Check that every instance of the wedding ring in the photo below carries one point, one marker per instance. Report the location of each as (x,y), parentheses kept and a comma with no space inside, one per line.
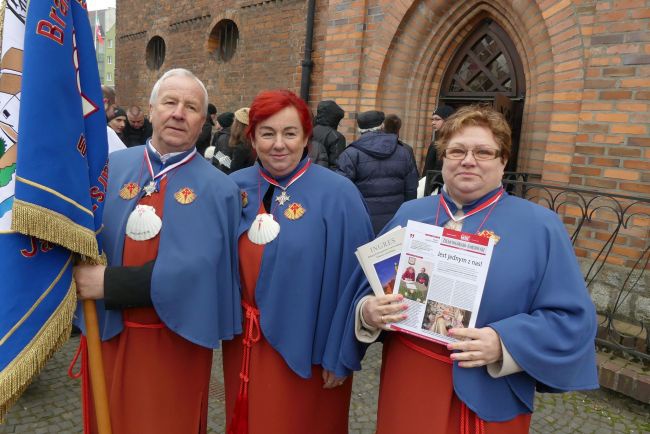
(383,319)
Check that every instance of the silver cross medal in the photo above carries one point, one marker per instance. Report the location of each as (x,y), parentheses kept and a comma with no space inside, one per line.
(150,188)
(282,198)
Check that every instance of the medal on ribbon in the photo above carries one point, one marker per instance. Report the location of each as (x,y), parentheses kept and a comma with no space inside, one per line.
(150,188)
(294,211)
(244,199)
(129,191)
(185,195)
(282,198)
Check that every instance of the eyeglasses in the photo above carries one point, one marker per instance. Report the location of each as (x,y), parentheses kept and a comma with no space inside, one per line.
(482,154)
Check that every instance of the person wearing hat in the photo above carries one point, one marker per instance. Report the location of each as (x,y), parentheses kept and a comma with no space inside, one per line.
(438,117)
(203,141)
(243,154)
(383,170)
(114,129)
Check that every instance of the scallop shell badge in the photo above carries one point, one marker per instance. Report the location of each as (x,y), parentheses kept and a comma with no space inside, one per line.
(264,229)
(143,223)
(185,195)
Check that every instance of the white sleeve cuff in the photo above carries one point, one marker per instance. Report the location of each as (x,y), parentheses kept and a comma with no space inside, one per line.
(505,366)
(365,333)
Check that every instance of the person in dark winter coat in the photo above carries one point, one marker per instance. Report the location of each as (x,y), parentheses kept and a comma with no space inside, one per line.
(326,142)
(137,129)
(206,132)
(383,170)
(438,117)
(221,137)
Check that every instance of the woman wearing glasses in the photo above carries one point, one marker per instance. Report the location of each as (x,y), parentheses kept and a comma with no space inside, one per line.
(536,323)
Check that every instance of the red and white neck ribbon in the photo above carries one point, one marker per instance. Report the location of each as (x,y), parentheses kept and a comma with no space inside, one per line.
(167,169)
(491,201)
(293,179)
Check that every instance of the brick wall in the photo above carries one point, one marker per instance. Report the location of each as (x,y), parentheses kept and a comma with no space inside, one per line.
(586,62)
(269,50)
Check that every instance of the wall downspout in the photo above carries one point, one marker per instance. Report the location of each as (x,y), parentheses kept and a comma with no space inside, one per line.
(307,63)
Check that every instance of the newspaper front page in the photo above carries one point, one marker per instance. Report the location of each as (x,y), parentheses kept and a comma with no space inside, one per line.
(441,274)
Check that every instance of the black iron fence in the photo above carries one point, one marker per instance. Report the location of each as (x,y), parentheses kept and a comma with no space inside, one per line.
(611,236)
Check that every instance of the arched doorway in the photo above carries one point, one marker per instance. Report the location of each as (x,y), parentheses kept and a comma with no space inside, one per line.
(486,68)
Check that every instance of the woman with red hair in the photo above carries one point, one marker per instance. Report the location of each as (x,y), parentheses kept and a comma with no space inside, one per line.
(300,227)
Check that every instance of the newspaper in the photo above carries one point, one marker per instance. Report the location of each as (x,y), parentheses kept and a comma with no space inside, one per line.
(379,259)
(441,274)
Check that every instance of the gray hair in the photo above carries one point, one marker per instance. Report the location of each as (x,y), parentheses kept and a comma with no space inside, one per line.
(367,130)
(178,72)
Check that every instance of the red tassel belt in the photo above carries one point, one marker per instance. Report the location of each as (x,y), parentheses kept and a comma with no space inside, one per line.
(252,335)
(465,413)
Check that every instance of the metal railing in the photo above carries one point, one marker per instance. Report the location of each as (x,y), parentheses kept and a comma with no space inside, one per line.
(611,236)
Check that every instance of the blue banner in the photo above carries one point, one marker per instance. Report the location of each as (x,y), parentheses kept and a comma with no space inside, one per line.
(53,177)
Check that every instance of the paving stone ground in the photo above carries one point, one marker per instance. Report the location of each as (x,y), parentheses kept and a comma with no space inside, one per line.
(52,405)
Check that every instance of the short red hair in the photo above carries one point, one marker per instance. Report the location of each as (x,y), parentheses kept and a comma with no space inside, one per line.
(269,102)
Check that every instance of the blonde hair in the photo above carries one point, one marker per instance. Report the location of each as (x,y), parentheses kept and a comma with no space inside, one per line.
(477,115)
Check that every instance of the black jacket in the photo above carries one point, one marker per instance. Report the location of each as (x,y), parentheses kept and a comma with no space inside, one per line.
(203,141)
(325,139)
(133,137)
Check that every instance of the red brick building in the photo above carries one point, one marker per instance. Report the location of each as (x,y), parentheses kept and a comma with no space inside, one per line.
(575,74)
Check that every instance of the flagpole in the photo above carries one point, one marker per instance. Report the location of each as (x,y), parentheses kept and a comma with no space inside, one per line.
(96,366)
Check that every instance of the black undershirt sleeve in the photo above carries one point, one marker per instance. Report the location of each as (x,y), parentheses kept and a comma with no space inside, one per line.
(126,287)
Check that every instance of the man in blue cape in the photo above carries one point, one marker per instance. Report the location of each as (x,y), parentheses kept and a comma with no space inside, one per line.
(171,290)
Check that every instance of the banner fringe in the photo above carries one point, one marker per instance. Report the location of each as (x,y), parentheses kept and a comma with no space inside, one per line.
(45,224)
(17,376)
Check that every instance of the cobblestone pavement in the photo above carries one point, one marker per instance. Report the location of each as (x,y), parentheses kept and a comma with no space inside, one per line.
(51,404)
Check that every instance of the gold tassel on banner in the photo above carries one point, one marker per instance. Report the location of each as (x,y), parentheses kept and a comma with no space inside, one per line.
(16,377)
(48,225)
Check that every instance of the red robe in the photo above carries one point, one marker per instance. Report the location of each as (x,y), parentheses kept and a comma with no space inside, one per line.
(416,393)
(279,401)
(157,382)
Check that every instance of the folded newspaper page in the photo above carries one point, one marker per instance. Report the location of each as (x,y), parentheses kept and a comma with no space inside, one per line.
(379,259)
(441,274)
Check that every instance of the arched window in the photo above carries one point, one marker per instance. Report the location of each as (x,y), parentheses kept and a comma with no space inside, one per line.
(223,40)
(155,53)
(485,65)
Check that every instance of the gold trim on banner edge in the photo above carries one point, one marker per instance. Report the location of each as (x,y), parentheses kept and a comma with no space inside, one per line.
(17,376)
(46,224)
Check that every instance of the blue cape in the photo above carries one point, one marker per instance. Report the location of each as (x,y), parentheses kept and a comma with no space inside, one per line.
(535,298)
(305,269)
(195,282)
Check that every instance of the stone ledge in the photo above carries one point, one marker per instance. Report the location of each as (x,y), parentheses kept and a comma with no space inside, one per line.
(623,376)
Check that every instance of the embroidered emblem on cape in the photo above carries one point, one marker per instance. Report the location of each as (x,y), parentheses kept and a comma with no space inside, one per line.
(129,191)
(489,234)
(282,198)
(294,211)
(185,195)
(244,199)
